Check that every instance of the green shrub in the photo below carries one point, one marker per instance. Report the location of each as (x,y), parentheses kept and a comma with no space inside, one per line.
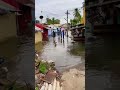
(43,68)
(36,88)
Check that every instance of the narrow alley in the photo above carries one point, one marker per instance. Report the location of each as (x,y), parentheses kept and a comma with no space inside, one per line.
(60,51)
(69,58)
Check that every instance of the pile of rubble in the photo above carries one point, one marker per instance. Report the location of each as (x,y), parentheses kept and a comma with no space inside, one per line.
(46,76)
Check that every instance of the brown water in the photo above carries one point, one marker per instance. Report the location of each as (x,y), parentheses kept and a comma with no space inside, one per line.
(103,63)
(64,53)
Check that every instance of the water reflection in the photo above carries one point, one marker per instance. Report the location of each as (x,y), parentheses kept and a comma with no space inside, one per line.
(77,48)
(58,38)
(102,63)
(57,50)
(54,42)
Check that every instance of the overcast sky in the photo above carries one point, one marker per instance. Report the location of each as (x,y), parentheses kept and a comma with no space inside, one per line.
(56,8)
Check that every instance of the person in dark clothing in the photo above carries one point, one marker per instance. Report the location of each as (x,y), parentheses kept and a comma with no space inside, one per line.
(57,31)
(60,33)
(63,34)
(54,34)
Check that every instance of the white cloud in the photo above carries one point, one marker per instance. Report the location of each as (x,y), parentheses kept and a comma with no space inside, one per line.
(55,8)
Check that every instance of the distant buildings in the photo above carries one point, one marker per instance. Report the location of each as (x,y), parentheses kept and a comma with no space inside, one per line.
(44,32)
(38,34)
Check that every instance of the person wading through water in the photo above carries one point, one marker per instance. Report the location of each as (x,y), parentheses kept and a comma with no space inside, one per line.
(62,33)
(54,34)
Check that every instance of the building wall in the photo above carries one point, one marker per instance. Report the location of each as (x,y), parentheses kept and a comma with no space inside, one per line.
(38,37)
(7,26)
(84,15)
(83,19)
(25,20)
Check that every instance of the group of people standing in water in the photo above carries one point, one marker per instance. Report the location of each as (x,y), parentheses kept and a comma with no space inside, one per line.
(60,32)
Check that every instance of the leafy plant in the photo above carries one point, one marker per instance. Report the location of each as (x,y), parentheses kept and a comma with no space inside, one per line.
(36,88)
(43,68)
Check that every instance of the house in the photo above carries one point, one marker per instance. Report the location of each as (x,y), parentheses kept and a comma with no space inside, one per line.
(38,34)
(45,34)
(10,12)
(26,18)
(45,31)
(83,19)
(8,29)
(19,12)
(57,25)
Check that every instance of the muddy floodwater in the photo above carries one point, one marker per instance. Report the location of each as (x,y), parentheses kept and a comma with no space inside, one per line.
(65,53)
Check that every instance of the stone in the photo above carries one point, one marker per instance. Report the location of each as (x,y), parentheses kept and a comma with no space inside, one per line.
(50,76)
(36,71)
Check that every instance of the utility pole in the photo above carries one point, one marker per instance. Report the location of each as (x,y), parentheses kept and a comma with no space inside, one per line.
(67,13)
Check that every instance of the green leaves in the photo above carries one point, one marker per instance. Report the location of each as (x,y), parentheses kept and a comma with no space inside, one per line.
(77,17)
(36,88)
(43,68)
(73,21)
(52,21)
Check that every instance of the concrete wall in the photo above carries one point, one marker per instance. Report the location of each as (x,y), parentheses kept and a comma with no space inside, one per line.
(7,26)
(84,15)
(38,37)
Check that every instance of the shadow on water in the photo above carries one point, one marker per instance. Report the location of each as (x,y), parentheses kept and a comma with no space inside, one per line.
(77,49)
(103,62)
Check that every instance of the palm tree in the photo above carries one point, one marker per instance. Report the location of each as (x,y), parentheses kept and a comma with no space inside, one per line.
(77,15)
(53,20)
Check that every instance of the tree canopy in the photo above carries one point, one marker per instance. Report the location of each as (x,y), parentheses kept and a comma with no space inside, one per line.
(52,21)
(77,17)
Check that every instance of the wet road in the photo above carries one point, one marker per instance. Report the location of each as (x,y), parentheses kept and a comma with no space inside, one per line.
(65,53)
(103,63)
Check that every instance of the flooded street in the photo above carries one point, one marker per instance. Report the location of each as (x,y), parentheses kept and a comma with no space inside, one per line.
(64,53)
(69,58)
(102,63)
